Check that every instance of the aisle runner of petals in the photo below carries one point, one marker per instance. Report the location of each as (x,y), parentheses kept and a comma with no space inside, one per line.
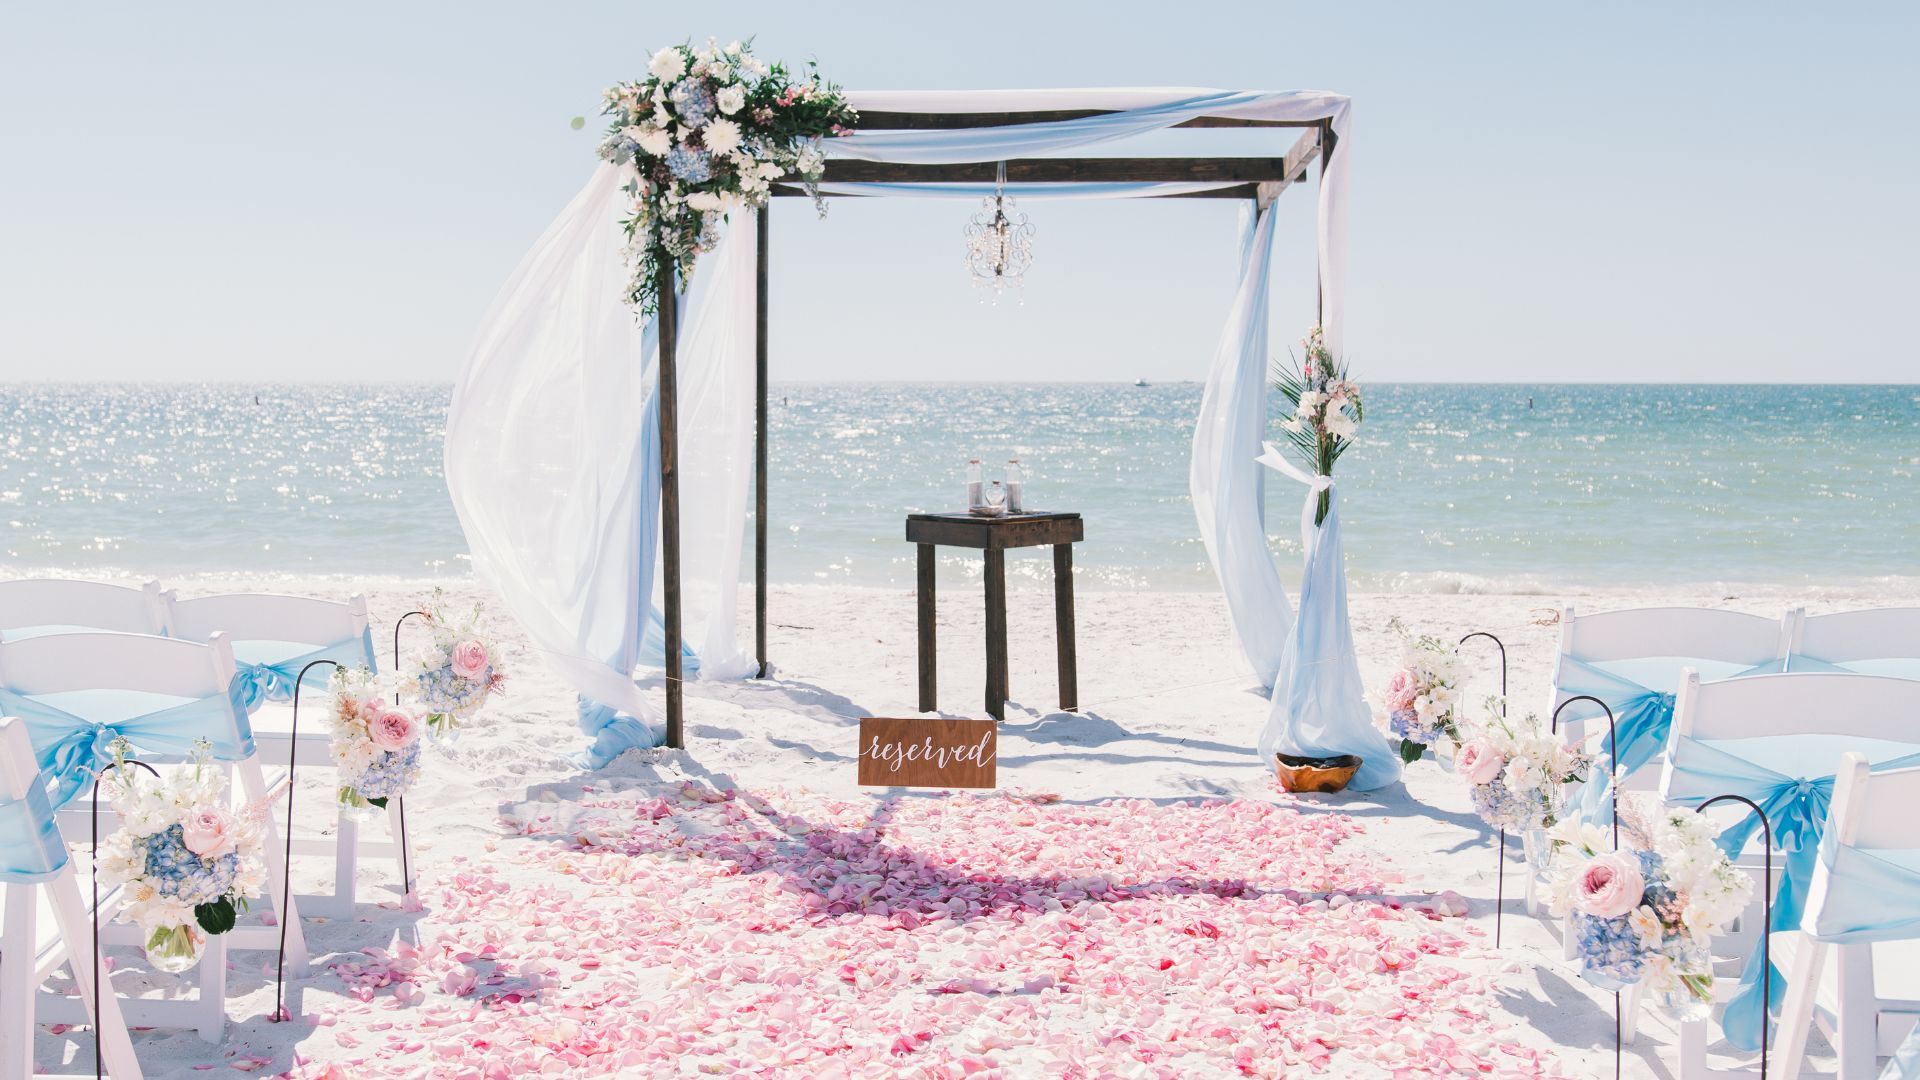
(760,934)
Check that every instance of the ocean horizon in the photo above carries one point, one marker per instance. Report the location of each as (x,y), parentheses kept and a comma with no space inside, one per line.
(1453,487)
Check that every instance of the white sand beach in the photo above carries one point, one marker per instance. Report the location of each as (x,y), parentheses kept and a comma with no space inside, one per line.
(1168,713)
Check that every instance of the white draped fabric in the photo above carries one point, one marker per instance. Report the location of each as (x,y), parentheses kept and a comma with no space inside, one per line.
(552,440)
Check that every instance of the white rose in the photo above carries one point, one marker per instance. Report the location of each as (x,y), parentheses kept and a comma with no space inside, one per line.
(722,136)
(1339,424)
(703,200)
(668,64)
(731,100)
(655,141)
(1522,774)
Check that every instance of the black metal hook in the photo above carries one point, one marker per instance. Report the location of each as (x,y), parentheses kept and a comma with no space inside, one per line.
(400,801)
(1613,790)
(1766,918)
(93,859)
(1500,863)
(286,864)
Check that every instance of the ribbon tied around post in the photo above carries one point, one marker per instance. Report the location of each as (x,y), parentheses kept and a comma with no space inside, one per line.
(1316,483)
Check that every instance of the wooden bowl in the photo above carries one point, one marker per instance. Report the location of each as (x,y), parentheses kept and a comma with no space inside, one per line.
(1299,774)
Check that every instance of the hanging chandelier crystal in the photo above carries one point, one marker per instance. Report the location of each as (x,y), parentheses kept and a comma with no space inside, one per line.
(999,239)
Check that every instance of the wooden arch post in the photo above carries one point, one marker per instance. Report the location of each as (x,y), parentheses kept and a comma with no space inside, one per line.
(669,318)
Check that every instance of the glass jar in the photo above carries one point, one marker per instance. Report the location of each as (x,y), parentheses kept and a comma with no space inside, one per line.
(1688,995)
(174,949)
(996,497)
(974,496)
(1014,503)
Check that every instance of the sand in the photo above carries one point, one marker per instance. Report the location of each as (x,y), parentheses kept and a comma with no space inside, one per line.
(1168,711)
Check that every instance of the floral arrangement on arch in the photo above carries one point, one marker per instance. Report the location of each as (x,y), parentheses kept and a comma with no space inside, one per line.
(1420,700)
(1518,774)
(458,671)
(1326,408)
(376,744)
(709,130)
(1647,912)
(187,861)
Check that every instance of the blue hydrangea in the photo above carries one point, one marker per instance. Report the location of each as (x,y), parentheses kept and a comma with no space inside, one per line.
(389,775)
(1502,809)
(442,691)
(1611,956)
(1405,723)
(179,873)
(690,166)
(693,101)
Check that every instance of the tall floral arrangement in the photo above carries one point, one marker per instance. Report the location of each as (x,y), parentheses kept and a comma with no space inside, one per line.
(1326,408)
(375,743)
(188,862)
(1518,774)
(459,670)
(1419,701)
(1646,913)
(707,131)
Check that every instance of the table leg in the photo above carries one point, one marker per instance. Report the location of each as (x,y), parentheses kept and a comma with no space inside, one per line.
(1063,627)
(929,695)
(997,633)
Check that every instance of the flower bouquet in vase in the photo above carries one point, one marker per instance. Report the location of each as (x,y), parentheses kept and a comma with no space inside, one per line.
(1418,703)
(375,744)
(1519,777)
(187,861)
(457,672)
(1326,409)
(1647,912)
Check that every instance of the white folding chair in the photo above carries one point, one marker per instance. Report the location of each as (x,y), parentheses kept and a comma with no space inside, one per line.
(1870,998)
(273,638)
(34,606)
(1872,641)
(1622,657)
(1795,725)
(46,923)
(110,679)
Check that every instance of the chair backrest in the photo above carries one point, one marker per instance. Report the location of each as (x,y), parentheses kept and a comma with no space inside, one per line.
(1811,703)
(1875,811)
(1733,637)
(58,605)
(242,617)
(1846,637)
(66,663)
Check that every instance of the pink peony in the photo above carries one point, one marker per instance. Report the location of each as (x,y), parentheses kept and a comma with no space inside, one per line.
(1478,763)
(392,729)
(469,659)
(208,833)
(1610,886)
(1401,691)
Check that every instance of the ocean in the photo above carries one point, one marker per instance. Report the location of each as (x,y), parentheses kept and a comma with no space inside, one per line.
(1497,487)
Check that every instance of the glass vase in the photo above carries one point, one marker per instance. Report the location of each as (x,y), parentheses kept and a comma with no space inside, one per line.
(174,949)
(1689,994)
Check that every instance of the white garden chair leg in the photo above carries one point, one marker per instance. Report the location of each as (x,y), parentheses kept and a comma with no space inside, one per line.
(1630,1000)
(16,985)
(1693,1050)
(402,844)
(1856,1023)
(1796,1013)
(253,783)
(346,863)
(76,930)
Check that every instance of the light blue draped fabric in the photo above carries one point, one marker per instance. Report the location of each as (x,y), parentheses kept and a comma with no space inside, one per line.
(30,846)
(1226,480)
(1319,705)
(653,646)
(1796,809)
(1642,717)
(1905,1063)
(955,146)
(1029,192)
(71,748)
(1867,896)
(264,681)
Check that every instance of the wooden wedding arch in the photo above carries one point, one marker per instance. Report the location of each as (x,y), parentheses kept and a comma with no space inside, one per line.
(1254,178)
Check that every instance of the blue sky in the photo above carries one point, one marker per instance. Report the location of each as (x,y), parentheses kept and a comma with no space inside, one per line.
(1542,192)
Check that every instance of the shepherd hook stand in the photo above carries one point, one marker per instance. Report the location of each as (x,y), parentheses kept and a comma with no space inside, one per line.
(1766,918)
(286,866)
(1500,865)
(93,862)
(1613,792)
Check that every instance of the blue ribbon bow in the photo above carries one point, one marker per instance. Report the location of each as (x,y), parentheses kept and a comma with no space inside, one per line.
(1796,809)
(70,749)
(30,846)
(275,681)
(1641,720)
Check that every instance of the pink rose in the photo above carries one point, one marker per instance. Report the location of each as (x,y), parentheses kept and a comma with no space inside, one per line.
(392,729)
(1401,691)
(1478,763)
(1610,886)
(208,833)
(469,659)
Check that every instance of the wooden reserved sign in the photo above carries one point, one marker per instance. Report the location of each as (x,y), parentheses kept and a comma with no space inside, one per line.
(928,753)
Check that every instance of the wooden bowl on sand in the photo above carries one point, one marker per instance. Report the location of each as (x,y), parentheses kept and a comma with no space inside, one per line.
(1298,774)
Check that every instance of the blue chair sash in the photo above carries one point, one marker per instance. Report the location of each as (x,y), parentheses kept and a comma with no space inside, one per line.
(1868,898)
(71,749)
(1905,1063)
(1796,809)
(264,682)
(30,846)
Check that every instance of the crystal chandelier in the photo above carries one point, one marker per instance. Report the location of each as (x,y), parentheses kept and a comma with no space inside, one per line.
(999,239)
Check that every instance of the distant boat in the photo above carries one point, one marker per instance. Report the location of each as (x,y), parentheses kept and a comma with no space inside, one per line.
(1141,382)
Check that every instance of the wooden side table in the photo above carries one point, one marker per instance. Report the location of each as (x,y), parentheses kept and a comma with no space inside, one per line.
(993,536)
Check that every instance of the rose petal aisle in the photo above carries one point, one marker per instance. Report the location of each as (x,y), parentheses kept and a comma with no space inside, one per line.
(763,933)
